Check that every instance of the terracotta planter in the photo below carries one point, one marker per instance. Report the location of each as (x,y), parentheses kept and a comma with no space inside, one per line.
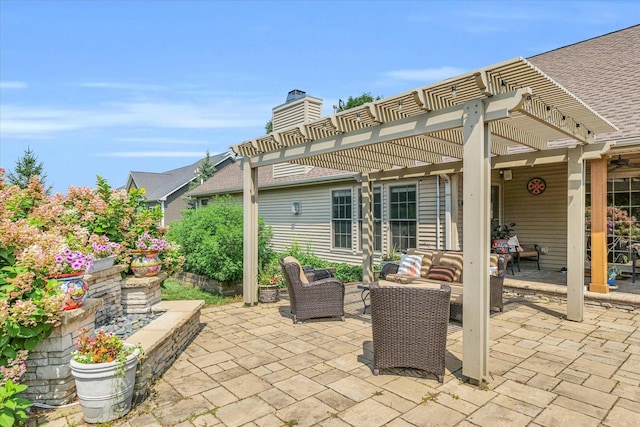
(145,263)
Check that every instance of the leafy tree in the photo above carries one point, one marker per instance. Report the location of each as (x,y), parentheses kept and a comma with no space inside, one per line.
(357,101)
(205,171)
(268,127)
(26,167)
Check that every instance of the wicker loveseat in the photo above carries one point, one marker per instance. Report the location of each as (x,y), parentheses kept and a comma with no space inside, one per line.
(409,325)
(312,294)
(451,260)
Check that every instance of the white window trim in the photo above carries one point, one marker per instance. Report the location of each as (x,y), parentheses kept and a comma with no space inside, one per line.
(389,238)
(331,219)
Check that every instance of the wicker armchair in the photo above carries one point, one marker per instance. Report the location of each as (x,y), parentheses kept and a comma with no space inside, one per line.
(312,294)
(409,324)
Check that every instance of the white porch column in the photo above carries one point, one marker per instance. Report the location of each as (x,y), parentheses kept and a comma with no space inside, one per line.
(575,235)
(250,250)
(367,229)
(476,199)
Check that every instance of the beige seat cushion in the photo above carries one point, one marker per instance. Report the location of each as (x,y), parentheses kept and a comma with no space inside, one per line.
(303,277)
(456,290)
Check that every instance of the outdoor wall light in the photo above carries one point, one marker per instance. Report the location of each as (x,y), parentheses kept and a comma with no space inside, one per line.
(507,174)
(296,208)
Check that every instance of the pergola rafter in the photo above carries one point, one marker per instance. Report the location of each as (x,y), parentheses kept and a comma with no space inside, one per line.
(503,114)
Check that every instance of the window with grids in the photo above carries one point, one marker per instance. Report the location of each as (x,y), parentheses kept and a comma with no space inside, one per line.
(403,210)
(377,217)
(341,218)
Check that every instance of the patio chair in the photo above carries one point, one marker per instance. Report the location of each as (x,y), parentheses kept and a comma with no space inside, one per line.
(312,293)
(409,324)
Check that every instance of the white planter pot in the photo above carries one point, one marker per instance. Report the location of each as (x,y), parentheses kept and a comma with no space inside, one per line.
(105,394)
(102,264)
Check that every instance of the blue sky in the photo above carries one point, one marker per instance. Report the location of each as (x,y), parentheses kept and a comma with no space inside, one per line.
(106,87)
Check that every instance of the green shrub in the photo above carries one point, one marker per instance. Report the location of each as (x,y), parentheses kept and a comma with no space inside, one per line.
(344,272)
(348,273)
(211,239)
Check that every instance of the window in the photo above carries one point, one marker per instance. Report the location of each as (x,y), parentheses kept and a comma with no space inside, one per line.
(204,202)
(403,216)
(341,218)
(377,217)
(623,216)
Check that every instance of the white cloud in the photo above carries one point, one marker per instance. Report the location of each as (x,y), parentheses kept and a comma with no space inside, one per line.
(13,85)
(163,140)
(35,121)
(426,75)
(148,154)
(123,86)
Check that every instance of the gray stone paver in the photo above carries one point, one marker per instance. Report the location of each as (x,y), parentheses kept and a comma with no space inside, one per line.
(557,416)
(368,413)
(250,366)
(492,415)
(307,412)
(621,417)
(585,394)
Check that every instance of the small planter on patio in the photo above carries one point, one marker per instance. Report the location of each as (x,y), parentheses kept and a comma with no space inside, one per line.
(268,293)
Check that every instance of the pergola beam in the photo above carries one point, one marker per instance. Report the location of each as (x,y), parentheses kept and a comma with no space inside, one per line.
(497,108)
(519,136)
(543,113)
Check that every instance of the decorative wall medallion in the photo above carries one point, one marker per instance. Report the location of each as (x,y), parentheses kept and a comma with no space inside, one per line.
(536,186)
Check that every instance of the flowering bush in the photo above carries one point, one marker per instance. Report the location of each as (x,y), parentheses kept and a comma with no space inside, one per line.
(102,247)
(35,231)
(147,243)
(277,279)
(73,261)
(103,348)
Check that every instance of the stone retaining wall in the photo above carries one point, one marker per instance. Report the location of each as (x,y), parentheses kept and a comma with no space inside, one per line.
(48,375)
(226,289)
(139,294)
(164,339)
(106,285)
(622,301)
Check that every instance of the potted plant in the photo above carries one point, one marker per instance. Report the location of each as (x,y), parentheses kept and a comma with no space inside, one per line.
(104,369)
(377,269)
(269,285)
(69,271)
(104,253)
(500,234)
(146,262)
(393,256)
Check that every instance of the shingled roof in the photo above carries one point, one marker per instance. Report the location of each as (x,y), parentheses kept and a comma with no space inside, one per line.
(229,179)
(160,185)
(603,72)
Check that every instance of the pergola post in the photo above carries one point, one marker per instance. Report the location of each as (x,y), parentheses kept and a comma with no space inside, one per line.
(367,229)
(250,252)
(575,234)
(476,198)
(599,226)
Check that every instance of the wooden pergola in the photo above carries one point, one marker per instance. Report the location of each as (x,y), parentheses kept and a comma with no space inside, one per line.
(504,115)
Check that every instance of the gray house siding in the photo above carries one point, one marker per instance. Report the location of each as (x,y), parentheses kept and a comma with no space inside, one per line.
(312,228)
(540,219)
(175,204)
